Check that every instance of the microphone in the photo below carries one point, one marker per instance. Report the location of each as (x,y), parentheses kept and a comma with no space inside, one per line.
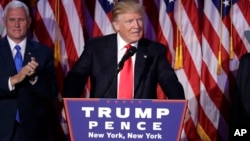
(130,52)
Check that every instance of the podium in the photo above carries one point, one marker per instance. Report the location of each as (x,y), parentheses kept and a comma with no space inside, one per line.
(128,120)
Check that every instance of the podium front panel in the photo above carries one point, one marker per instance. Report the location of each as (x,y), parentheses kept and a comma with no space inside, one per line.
(128,120)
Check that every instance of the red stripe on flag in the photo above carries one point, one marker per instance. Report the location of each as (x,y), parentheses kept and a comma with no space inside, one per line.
(41,31)
(244,7)
(78,6)
(208,127)
(3,3)
(66,34)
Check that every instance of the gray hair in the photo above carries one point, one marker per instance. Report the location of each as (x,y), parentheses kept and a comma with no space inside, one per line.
(16,4)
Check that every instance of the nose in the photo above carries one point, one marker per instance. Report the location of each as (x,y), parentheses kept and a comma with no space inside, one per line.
(137,24)
(17,23)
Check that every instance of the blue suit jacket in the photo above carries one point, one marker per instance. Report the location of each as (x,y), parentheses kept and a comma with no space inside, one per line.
(29,99)
(99,61)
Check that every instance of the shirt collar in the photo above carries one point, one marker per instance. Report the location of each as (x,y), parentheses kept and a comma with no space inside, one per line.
(122,43)
(22,44)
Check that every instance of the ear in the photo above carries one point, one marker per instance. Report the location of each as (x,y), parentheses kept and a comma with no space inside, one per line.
(116,25)
(29,21)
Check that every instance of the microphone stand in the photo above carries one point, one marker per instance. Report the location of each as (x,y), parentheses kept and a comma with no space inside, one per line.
(111,82)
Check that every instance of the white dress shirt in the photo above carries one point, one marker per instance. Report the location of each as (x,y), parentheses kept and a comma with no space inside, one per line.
(120,52)
(22,45)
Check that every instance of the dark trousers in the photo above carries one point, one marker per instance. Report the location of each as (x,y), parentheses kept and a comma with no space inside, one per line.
(16,136)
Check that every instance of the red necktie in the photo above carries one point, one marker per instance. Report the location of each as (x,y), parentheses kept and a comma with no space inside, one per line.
(126,79)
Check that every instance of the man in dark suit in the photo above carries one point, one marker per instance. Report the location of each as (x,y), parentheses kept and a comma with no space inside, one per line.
(24,93)
(240,110)
(102,55)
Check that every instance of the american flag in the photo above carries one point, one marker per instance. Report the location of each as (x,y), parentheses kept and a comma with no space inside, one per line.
(205,40)
(223,43)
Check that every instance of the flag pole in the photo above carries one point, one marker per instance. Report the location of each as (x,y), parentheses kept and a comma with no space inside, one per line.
(178,51)
(219,65)
(57,50)
(231,32)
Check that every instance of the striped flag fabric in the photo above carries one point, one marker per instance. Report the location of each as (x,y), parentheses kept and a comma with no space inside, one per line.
(213,97)
(223,43)
(204,38)
(3,3)
(59,24)
(102,18)
(181,33)
(55,18)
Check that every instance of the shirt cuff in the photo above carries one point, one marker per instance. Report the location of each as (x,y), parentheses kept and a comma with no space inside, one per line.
(11,88)
(33,80)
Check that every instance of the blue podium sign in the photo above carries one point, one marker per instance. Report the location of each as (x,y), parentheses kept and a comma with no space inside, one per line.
(128,120)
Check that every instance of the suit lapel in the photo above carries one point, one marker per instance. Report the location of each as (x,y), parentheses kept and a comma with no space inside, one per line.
(111,44)
(140,63)
(29,52)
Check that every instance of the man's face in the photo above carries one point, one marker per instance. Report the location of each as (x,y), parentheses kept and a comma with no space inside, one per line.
(17,24)
(129,26)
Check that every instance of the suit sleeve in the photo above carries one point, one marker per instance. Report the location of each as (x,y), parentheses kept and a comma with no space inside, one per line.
(76,78)
(46,85)
(240,109)
(243,82)
(168,79)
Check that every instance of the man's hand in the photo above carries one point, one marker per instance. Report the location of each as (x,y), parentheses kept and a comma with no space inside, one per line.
(28,70)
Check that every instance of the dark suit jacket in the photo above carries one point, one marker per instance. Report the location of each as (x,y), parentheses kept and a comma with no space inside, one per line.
(240,113)
(29,99)
(99,61)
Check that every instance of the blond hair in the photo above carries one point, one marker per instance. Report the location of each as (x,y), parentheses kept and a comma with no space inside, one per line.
(126,6)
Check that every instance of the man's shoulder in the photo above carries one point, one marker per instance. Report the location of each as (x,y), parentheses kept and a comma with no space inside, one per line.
(151,43)
(36,43)
(103,38)
(3,39)
(38,46)
(245,57)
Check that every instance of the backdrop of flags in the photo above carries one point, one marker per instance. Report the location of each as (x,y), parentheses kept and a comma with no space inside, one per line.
(205,40)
